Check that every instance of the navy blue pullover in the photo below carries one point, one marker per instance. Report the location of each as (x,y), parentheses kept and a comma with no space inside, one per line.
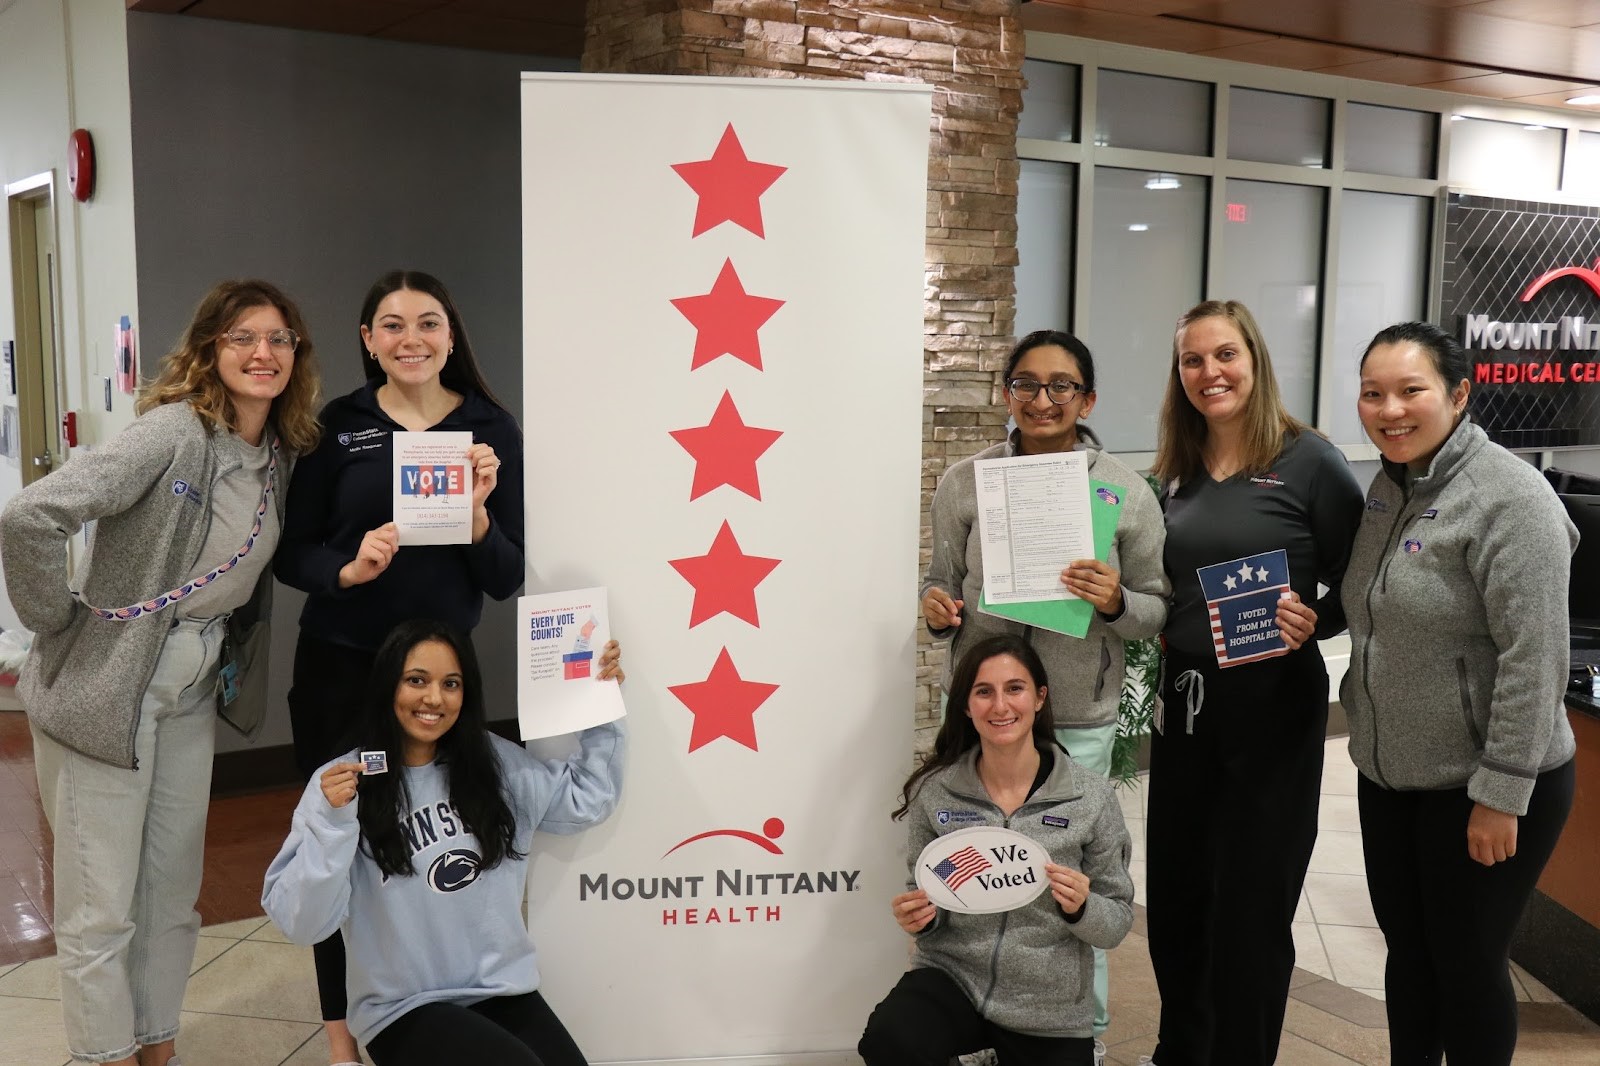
(343,489)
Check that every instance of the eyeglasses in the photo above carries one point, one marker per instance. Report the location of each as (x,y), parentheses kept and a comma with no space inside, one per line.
(282,341)
(1023,390)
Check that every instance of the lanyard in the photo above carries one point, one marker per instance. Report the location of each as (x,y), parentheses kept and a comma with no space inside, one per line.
(167,599)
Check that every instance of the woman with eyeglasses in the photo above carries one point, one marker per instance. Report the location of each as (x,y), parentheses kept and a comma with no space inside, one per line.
(1236,759)
(122,683)
(341,547)
(1049,383)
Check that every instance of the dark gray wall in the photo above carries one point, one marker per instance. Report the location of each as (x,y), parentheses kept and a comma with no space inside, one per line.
(318,162)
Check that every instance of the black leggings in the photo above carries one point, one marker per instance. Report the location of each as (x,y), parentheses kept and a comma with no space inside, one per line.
(926,1020)
(1449,920)
(324,707)
(503,1030)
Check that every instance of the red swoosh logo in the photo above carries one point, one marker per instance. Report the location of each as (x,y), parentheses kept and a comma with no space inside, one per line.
(740,833)
(1590,277)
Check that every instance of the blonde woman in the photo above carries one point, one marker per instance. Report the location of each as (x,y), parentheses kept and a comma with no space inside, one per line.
(121,684)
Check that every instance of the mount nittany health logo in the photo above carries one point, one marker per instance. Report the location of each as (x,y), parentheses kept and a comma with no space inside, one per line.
(737,895)
(1567,333)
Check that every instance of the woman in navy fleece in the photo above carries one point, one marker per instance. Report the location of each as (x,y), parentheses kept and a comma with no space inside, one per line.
(440,966)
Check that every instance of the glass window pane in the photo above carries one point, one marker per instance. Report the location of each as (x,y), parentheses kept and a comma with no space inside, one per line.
(1147,267)
(1268,127)
(1504,158)
(1154,114)
(1383,279)
(1046,209)
(1272,263)
(1390,140)
(1585,174)
(1050,101)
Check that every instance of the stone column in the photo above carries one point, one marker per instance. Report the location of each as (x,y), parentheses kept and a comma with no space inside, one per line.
(971,52)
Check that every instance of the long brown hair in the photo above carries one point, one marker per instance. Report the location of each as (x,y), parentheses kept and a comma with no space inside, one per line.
(189,374)
(1180,444)
(461,373)
(958,735)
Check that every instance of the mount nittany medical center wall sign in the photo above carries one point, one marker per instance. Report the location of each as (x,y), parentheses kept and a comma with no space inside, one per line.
(1520,289)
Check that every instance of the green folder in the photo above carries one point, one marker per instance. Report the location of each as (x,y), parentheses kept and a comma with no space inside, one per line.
(1071,617)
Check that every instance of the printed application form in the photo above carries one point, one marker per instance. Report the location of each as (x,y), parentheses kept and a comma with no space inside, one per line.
(1033,519)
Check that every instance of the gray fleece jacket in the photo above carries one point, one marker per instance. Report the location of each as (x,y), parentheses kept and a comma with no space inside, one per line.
(1029,970)
(148,490)
(1456,598)
(1085,674)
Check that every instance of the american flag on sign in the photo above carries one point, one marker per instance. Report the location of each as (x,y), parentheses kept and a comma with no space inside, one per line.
(1242,603)
(959,868)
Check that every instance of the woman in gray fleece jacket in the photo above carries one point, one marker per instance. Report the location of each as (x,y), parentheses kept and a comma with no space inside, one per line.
(1019,982)
(1456,597)
(121,683)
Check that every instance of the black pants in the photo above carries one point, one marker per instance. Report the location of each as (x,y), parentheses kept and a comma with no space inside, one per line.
(1448,920)
(504,1030)
(330,681)
(1231,823)
(926,1020)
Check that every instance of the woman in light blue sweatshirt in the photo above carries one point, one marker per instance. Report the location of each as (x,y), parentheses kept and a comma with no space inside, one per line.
(424,866)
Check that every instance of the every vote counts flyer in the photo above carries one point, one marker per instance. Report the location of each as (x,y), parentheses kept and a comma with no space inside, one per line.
(559,639)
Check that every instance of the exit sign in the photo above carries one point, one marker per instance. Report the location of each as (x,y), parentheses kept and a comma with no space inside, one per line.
(1238,212)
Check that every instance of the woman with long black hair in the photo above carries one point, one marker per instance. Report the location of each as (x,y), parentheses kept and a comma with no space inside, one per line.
(424,864)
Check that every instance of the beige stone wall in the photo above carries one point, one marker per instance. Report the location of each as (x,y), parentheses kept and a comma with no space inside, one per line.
(971,52)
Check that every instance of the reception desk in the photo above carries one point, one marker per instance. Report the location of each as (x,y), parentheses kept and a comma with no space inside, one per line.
(1559,941)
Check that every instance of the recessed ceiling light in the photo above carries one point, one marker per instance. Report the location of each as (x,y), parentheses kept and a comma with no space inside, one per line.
(1138,227)
(1163,181)
(1586,98)
(1535,126)
(1458,118)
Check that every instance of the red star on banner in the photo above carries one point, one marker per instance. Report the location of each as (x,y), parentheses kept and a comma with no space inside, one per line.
(724,579)
(725,451)
(723,705)
(726,319)
(729,186)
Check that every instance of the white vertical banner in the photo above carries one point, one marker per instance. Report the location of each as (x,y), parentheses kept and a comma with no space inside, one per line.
(722,406)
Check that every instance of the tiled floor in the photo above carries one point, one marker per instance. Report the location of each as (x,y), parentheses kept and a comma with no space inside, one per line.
(252,999)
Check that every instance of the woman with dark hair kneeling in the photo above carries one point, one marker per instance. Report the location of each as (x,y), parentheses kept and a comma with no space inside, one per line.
(1456,596)
(440,966)
(1017,982)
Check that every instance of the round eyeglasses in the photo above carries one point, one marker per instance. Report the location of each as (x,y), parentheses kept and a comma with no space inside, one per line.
(282,341)
(1023,390)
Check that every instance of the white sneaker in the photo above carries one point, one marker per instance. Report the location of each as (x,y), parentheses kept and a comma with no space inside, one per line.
(1099,1053)
(1146,1060)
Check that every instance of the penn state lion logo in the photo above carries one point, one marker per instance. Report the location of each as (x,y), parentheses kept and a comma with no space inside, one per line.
(454,870)
(344,438)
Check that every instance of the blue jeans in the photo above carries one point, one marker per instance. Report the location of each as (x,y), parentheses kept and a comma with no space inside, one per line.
(1091,749)
(128,856)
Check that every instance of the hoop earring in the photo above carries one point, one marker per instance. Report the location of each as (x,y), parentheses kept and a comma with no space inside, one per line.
(372,355)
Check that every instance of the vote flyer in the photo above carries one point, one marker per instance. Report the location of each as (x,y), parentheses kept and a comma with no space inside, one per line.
(559,640)
(433,488)
(1242,601)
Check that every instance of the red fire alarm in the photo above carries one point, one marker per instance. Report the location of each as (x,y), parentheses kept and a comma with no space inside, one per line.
(69,428)
(80,165)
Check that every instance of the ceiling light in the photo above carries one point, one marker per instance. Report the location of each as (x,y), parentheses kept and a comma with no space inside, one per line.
(1535,127)
(1458,118)
(1163,181)
(1586,98)
(1137,227)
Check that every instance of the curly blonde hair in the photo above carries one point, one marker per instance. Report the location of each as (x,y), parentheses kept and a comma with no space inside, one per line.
(189,372)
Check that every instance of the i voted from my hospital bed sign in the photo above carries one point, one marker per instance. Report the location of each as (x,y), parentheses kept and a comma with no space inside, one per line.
(982,870)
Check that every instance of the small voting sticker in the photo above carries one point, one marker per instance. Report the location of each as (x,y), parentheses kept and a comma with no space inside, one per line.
(374,762)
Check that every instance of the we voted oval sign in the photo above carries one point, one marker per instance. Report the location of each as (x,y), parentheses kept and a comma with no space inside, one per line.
(982,870)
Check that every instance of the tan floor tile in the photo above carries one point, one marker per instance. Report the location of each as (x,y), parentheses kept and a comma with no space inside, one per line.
(8,967)
(31,1032)
(1338,853)
(234,930)
(39,979)
(1538,992)
(258,980)
(1338,776)
(1375,993)
(1131,798)
(1302,1052)
(1303,911)
(1338,813)
(1136,836)
(1309,954)
(1340,899)
(221,1040)
(207,949)
(269,933)
(314,1052)
(1136,870)
(1356,954)
(1359,1043)
(1517,974)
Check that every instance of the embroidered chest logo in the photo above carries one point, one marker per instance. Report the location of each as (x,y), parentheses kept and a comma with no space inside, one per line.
(1431,512)
(957,817)
(1377,506)
(362,440)
(182,488)
(1269,480)
(454,870)
(1056,820)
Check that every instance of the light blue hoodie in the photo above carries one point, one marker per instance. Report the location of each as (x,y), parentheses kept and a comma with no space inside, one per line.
(452,932)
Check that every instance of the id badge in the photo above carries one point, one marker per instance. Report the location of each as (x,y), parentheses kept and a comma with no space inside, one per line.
(229,676)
